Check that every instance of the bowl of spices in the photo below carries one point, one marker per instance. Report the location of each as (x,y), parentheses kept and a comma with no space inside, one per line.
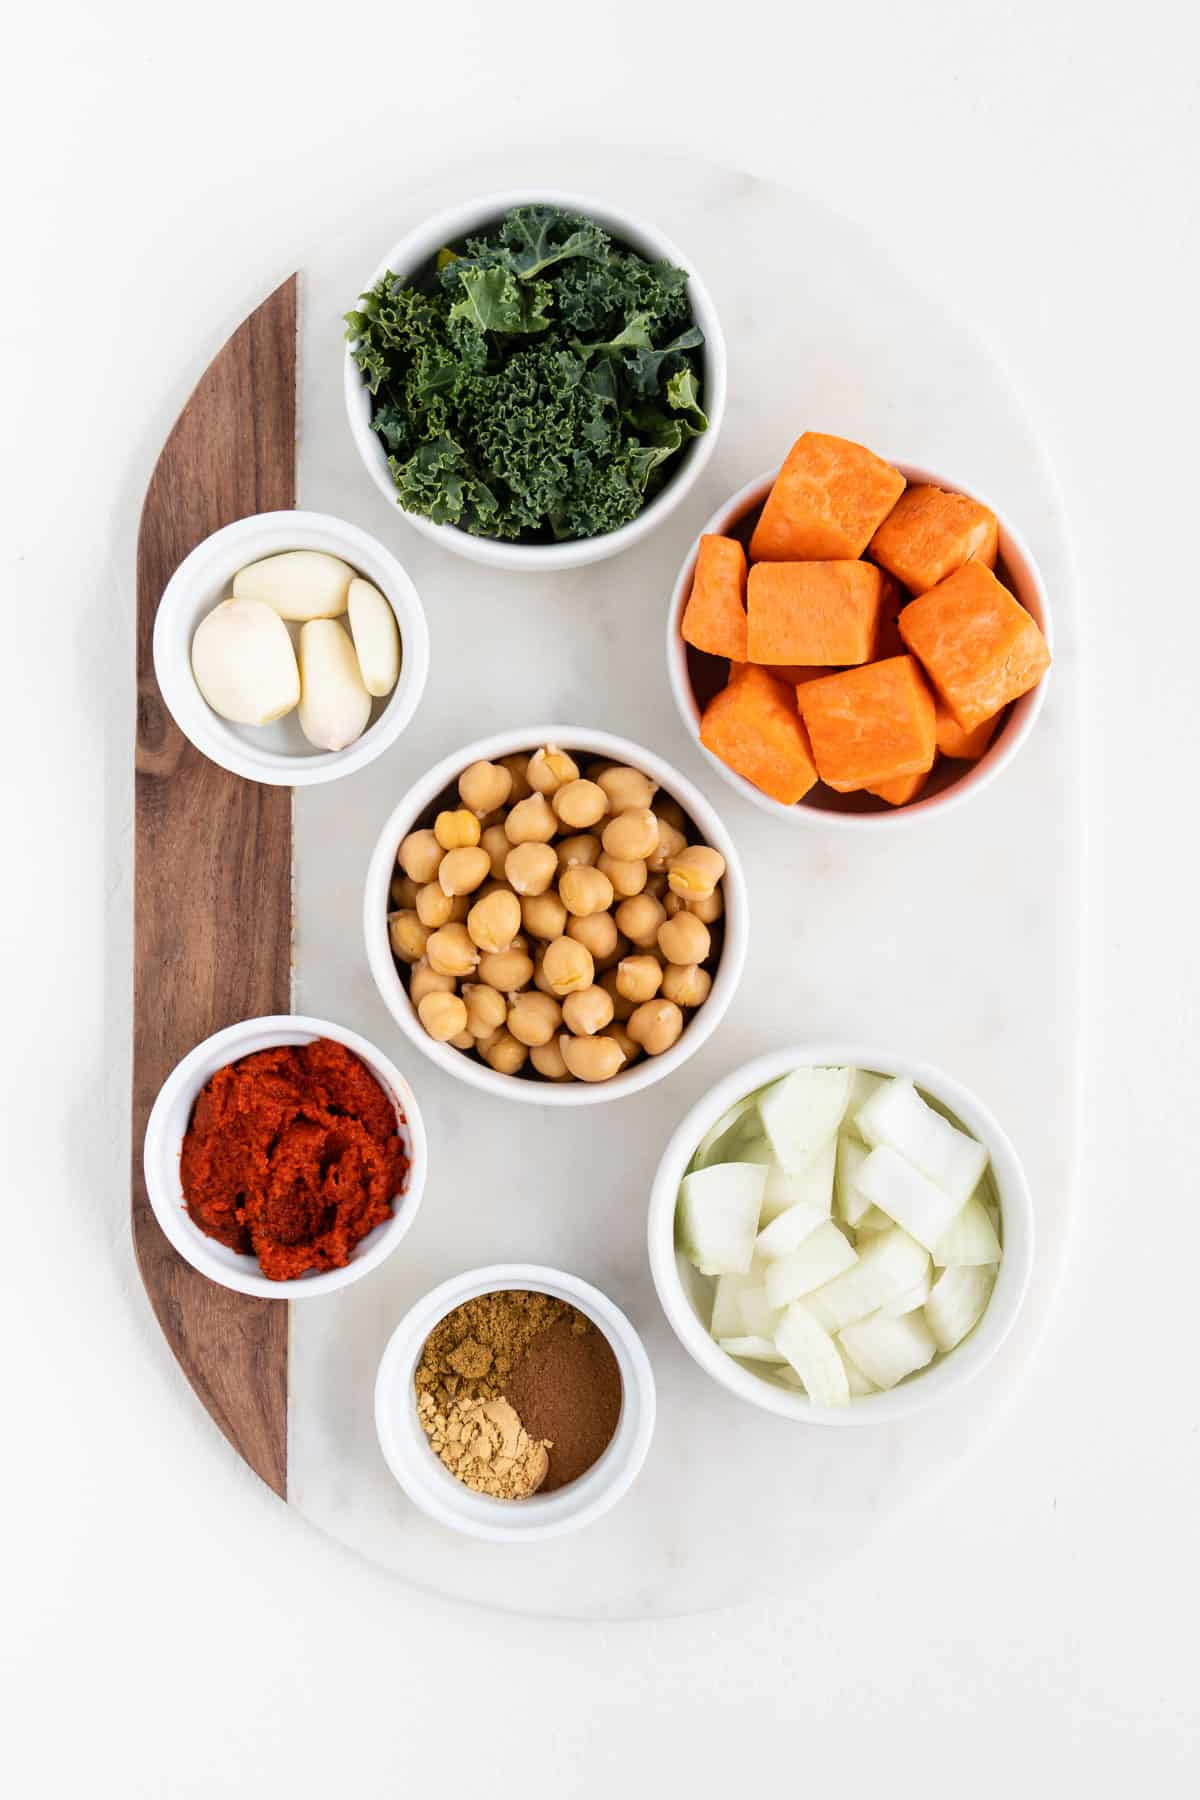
(515,1403)
(285,1157)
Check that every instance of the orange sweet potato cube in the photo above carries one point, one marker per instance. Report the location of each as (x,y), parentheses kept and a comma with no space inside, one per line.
(828,500)
(960,745)
(976,643)
(715,617)
(902,790)
(929,533)
(870,726)
(814,612)
(755,729)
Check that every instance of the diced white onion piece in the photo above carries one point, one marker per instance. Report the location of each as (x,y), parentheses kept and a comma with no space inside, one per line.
(759,1318)
(809,1185)
(969,1239)
(863,1084)
(706,1151)
(376,637)
(755,1349)
(334,704)
(905,1195)
(788,1230)
(888,1265)
(803,1111)
(815,1357)
(886,1350)
(244,663)
(872,1223)
(856,1380)
(297,584)
(896,1116)
(718,1216)
(726,1313)
(822,1255)
(911,1299)
(851,1155)
(957,1303)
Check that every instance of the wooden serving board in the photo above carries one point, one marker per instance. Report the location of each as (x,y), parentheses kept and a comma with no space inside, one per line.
(210,849)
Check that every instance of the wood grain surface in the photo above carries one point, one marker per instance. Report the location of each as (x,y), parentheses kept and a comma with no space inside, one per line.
(213,864)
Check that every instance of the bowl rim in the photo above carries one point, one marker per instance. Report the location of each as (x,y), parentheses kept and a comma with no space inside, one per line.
(464,1068)
(161,1149)
(440,1495)
(272,533)
(452,222)
(928,1387)
(975,776)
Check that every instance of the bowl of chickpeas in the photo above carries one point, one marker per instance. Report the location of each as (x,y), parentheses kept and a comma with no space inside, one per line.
(556,915)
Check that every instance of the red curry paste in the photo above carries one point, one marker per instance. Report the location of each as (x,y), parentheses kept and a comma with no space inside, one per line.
(292,1155)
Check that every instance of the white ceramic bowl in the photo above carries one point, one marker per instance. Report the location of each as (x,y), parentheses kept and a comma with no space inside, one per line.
(686,1295)
(415,250)
(951,782)
(168,1123)
(699,1025)
(280,754)
(426,1480)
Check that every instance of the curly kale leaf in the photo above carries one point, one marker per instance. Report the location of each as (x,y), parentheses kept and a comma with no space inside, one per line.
(531,239)
(490,300)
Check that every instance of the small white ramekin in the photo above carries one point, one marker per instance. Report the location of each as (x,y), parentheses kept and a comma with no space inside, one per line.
(686,1294)
(279,754)
(698,1027)
(821,807)
(468,219)
(426,1480)
(168,1123)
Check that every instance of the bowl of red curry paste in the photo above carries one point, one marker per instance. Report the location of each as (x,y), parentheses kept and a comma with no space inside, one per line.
(285,1157)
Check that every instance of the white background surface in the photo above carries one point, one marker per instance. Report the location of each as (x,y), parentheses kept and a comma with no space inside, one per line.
(166,1627)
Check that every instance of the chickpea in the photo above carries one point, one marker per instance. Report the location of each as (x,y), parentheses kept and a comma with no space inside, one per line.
(639,918)
(709,910)
(670,813)
(580,803)
(628,877)
(627,789)
(686,984)
(684,939)
(484,787)
(597,932)
(551,768)
(547,1059)
(451,951)
(591,1058)
(695,872)
(456,830)
(541,980)
(504,1053)
(656,884)
(494,921)
(582,851)
(631,835)
(629,1050)
(516,767)
(531,821)
(494,839)
(486,1007)
(639,977)
(621,1006)
(419,856)
(584,891)
(543,915)
(484,1044)
(462,871)
(567,966)
(506,970)
(670,843)
(408,936)
(402,893)
(656,1025)
(531,867)
(621,948)
(534,1018)
(586,1011)
(434,906)
(443,1016)
(461,1041)
(425,980)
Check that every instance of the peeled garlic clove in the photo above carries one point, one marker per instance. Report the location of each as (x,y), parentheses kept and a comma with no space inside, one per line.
(376,637)
(299,584)
(244,664)
(334,704)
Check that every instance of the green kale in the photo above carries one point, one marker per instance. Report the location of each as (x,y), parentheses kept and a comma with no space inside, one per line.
(535,383)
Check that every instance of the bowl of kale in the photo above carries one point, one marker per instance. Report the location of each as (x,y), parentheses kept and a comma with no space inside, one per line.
(536,379)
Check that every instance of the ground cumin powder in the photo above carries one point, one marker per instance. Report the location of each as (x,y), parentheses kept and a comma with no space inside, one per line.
(517,1392)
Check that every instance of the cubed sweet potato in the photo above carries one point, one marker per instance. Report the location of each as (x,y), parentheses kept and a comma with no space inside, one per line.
(929,533)
(755,729)
(960,745)
(814,612)
(892,602)
(902,790)
(828,500)
(977,644)
(870,726)
(715,616)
